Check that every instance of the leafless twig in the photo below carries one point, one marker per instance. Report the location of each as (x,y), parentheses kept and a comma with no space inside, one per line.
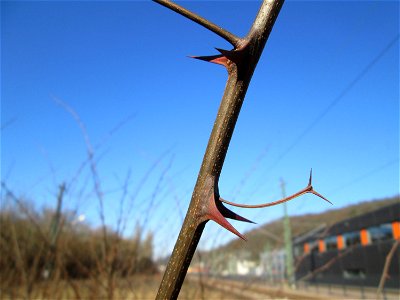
(327,265)
(385,270)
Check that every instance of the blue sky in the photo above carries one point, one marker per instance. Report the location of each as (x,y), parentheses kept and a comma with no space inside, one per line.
(325,95)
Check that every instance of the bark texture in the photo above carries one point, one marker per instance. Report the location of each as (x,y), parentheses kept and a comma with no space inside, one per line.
(205,205)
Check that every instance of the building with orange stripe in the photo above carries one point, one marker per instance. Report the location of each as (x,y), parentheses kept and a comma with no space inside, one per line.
(354,249)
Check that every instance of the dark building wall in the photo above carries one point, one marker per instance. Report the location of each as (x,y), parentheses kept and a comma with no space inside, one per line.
(360,264)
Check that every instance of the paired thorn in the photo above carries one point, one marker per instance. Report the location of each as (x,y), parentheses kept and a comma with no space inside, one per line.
(227,213)
(235,55)
(312,191)
(217,212)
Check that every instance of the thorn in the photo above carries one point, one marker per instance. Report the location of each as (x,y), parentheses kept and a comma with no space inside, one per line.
(233,55)
(319,195)
(224,223)
(205,58)
(216,59)
(217,212)
(227,213)
(312,191)
(227,53)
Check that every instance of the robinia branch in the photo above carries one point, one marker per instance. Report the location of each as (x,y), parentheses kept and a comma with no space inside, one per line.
(206,203)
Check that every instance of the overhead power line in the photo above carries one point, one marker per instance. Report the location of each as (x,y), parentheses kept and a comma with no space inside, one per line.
(365,175)
(339,97)
(332,104)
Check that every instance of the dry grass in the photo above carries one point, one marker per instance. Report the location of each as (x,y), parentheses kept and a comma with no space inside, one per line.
(139,287)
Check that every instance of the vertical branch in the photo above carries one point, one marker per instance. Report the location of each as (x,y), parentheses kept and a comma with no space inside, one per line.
(105,265)
(240,64)
(119,230)
(93,168)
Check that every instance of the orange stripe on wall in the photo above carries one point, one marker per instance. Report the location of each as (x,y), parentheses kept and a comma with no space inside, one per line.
(306,248)
(396,230)
(321,246)
(364,237)
(340,242)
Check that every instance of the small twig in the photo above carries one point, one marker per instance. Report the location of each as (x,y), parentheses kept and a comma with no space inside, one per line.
(21,206)
(386,269)
(142,182)
(327,265)
(8,123)
(306,190)
(238,188)
(156,191)
(122,202)
(113,130)
(93,167)
(229,37)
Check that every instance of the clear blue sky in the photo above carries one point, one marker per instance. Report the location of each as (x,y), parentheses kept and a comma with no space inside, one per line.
(324,95)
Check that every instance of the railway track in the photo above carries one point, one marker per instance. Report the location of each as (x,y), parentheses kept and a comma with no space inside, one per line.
(253,291)
(248,289)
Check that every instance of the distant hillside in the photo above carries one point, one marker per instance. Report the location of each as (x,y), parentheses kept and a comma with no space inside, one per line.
(271,234)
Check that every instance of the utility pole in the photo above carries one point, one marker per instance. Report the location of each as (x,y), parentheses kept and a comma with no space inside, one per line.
(287,233)
(54,233)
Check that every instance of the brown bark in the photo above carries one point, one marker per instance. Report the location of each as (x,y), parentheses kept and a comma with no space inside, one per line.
(205,204)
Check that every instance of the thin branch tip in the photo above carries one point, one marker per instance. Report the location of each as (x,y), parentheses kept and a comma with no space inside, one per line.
(226,35)
(308,189)
(312,191)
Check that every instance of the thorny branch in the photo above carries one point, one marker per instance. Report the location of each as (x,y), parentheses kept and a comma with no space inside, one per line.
(206,204)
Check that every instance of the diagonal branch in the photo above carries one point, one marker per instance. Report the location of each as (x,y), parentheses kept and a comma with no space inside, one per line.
(385,271)
(327,265)
(226,35)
